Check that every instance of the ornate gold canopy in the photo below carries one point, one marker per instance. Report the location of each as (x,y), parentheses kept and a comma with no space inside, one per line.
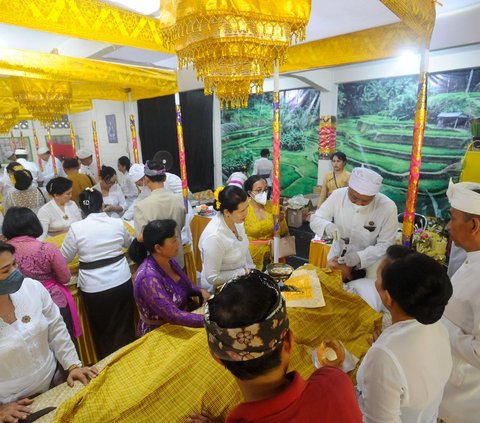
(233,44)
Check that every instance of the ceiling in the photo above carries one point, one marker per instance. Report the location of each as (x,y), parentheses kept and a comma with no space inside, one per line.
(326,21)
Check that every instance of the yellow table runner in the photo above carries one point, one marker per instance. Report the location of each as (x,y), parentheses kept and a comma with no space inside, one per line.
(169,373)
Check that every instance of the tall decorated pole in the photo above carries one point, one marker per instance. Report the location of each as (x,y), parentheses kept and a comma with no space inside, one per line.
(22,141)
(72,139)
(181,151)
(35,140)
(416,160)
(50,146)
(14,144)
(276,164)
(133,132)
(95,145)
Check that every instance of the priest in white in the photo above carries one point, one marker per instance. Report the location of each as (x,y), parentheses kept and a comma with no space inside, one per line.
(461,399)
(362,214)
(88,165)
(48,171)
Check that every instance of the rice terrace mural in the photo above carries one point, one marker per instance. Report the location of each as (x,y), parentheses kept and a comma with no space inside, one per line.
(374,128)
(247,131)
(375,124)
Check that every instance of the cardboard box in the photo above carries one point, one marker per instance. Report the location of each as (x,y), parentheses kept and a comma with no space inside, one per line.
(294,217)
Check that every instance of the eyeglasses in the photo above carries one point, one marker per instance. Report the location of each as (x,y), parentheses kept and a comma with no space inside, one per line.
(260,191)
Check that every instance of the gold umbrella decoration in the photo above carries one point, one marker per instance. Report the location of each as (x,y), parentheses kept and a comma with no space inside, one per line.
(45,100)
(233,45)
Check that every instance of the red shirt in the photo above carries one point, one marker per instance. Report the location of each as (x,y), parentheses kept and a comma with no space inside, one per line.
(327,396)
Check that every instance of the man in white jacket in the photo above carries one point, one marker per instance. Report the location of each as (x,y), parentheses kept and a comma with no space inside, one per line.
(461,399)
(362,214)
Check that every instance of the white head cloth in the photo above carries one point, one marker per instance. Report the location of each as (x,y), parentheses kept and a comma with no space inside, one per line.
(137,171)
(463,198)
(365,181)
(84,153)
(43,150)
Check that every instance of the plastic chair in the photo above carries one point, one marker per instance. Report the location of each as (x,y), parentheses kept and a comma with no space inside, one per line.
(420,220)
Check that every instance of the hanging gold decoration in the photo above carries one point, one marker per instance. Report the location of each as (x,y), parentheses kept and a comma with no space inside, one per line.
(8,118)
(233,44)
(45,100)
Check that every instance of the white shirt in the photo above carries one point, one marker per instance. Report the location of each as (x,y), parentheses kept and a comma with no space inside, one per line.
(115,197)
(263,167)
(53,219)
(29,350)
(37,176)
(94,238)
(129,189)
(461,401)
(90,170)
(48,172)
(173,183)
(237,179)
(402,376)
(223,255)
(381,214)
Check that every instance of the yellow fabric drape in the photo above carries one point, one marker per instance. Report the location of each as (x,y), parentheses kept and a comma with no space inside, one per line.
(169,373)
(88,19)
(142,82)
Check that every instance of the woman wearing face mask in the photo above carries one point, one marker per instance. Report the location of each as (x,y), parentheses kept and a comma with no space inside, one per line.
(259,221)
(33,337)
(335,179)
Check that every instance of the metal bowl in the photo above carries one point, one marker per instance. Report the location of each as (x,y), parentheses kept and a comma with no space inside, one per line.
(280,272)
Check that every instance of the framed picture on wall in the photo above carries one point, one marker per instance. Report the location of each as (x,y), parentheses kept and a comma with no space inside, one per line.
(111,129)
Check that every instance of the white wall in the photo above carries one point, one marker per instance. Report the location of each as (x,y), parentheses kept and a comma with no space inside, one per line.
(109,153)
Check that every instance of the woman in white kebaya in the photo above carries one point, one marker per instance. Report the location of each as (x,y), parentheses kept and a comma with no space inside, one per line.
(113,198)
(33,337)
(403,375)
(60,212)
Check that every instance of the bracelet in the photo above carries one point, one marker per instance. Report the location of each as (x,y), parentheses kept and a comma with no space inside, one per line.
(73,367)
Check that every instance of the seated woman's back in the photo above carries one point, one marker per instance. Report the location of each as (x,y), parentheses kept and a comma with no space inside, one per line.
(23,194)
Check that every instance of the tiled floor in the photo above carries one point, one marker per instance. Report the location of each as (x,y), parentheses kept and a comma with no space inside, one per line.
(303,236)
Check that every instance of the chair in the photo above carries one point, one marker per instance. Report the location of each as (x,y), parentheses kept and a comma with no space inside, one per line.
(420,220)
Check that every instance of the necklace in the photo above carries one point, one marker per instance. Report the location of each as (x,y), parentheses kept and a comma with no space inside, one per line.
(236,235)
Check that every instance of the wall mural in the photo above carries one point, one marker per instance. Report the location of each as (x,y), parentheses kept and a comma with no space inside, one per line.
(247,131)
(374,128)
(375,125)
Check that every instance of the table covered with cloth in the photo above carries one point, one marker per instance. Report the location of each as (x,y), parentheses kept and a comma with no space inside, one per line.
(169,373)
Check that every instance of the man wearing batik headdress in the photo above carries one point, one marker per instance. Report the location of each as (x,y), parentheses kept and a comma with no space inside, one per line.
(160,204)
(461,400)
(248,333)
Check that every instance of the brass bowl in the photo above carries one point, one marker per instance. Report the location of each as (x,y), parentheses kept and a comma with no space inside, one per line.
(280,272)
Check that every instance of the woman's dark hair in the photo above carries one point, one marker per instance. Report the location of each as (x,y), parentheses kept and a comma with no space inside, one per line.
(6,247)
(59,185)
(229,198)
(71,163)
(91,201)
(251,181)
(340,156)
(11,165)
(23,179)
(21,221)
(124,161)
(243,303)
(107,173)
(153,165)
(417,283)
(154,233)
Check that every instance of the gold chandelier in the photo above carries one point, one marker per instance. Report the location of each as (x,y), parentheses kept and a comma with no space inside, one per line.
(8,118)
(46,100)
(233,44)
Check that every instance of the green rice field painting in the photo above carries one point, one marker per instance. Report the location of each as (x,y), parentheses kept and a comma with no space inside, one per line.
(245,132)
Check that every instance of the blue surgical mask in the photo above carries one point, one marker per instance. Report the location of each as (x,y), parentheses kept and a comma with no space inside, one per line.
(12,284)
